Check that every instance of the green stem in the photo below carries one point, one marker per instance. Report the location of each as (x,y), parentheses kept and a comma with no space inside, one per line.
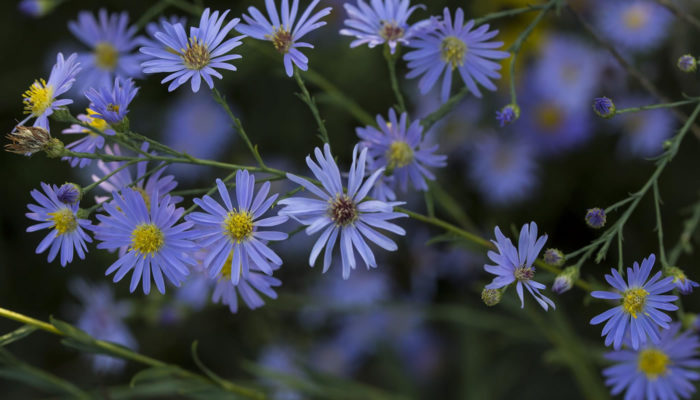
(507,13)
(109,175)
(655,106)
(239,127)
(443,110)
(391,64)
(306,97)
(659,226)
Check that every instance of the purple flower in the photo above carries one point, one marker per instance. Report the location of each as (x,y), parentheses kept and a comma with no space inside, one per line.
(37,8)
(604,107)
(194,58)
(455,46)
(226,292)
(233,234)
(111,41)
(89,143)
(103,318)
(111,104)
(659,371)
(284,34)
(400,149)
(345,215)
(508,115)
(516,264)
(680,280)
(383,21)
(550,127)
(596,218)
(68,193)
(638,25)
(67,230)
(41,99)
(157,244)
(640,303)
(642,134)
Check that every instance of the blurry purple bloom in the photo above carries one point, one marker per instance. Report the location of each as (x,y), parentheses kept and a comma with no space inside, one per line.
(638,25)
(111,103)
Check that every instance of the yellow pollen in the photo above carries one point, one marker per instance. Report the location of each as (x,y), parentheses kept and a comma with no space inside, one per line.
(113,107)
(238,225)
(228,266)
(633,301)
(282,40)
(38,98)
(549,117)
(399,154)
(94,120)
(653,363)
(64,220)
(453,50)
(147,239)
(146,197)
(196,55)
(106,56)
(636,17)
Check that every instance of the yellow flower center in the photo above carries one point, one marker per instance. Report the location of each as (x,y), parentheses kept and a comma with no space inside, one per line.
(94,121)
(106,56)
(549,117)
(636,17)
(653,363)
(38,98)
(196,55)
(633,301)
(399,154)
(238,225)
(64,220)
(147,239)
(146,197)
(282,40)
(453,50)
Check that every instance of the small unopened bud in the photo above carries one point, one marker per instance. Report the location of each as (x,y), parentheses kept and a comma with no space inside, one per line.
(69,193)
(595,218)
(491,297)
(28,140)
(55,148)
(62,114)
(508,114)
(554,257)
(604,107)
(565,280)
(687,63)
(121,126)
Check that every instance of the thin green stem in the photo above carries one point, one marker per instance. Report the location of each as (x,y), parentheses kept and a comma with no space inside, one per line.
(443,110)
(391,65)
(507,13)
(656,106)
(306,98)
(239,127)
(109,175)
(659,226)
(682,14)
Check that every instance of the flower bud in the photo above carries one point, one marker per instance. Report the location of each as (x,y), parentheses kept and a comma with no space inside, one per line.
(508,114)
(491,297)
(596,218)
(565,280)
(687,63)
(69,193)
(554,257)
(62,114)
(604,107)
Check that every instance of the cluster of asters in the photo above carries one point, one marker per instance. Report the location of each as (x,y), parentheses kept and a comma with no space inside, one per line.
(157,242)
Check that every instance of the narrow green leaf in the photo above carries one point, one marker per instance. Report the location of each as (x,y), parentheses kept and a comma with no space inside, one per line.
(17,334)
(69,330)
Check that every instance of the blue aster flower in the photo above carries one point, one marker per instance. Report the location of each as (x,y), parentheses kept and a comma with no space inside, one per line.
(507,115)
(41,99)
(67,230)
(37,8)
(226,292)
(680,280)
(642,134)
(656,371)
(451,46)
(112,103)
(638,25)
(383,21)
(285,34)
(157,244)
(102,317)
(516,264)
(156,184)
(504,170)
(152,28)
(399,147)
(194,58)
(68,193)
(567,72)
(111,41)
(345,215)
(195,124)
(237,229)
(91,141)
(641,300)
